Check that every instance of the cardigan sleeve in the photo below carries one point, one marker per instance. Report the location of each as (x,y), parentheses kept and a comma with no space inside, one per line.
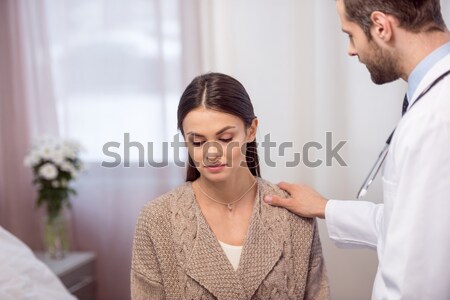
(146,279)
(317,287)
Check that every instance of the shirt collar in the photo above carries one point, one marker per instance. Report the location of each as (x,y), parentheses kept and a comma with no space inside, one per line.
(424,66)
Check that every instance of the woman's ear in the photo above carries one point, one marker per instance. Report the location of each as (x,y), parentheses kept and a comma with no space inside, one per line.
(251,131)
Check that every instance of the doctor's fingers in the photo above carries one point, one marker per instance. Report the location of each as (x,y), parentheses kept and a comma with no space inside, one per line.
(297,190)
(274,200)
(287,203)
(304,200)
(288,187)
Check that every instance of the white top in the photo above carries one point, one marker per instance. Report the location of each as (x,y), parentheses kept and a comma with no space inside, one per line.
(23,276)
(411,229)
(233,253)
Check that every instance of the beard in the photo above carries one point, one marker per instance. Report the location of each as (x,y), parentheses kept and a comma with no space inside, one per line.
(382,65)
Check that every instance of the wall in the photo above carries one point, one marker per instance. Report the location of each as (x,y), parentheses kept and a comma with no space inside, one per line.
(292,58)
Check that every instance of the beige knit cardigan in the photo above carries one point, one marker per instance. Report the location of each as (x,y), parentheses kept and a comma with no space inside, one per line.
(177,256)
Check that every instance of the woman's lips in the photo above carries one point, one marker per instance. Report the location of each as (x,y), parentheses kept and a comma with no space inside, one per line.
(215,168)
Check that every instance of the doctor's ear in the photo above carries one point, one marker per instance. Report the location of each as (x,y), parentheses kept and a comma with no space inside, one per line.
(251,131)
(382,26)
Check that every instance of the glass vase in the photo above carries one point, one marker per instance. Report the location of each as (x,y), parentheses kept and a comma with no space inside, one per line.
(56,237)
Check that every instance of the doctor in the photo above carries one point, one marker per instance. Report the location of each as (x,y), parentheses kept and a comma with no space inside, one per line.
(411,231)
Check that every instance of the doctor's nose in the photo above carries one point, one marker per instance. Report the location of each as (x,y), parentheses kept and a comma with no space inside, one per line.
(351,50)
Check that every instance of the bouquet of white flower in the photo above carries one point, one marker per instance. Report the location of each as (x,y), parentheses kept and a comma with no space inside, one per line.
(55,163)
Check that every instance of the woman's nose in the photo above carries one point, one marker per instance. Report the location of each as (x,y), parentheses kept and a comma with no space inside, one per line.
(213,150)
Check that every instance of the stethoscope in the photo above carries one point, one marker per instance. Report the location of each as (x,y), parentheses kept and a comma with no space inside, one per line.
(379,162)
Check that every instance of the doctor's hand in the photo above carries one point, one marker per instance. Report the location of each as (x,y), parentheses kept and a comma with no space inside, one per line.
(304,200)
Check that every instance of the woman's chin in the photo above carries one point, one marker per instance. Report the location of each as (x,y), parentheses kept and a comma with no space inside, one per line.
(216,174)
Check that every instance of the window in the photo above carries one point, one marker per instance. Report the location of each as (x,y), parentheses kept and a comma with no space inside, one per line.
(116,69)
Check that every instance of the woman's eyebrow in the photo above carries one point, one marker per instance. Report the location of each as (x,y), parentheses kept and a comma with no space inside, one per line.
(224,129)
(217,133)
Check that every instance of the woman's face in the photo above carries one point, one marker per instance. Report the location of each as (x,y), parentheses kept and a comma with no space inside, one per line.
(217,142)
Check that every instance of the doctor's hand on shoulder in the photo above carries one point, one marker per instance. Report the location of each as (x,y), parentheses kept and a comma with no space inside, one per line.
(304,200)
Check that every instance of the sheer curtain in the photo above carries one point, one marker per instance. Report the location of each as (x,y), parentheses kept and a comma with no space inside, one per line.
(98,72)
(120,67)
(27,111)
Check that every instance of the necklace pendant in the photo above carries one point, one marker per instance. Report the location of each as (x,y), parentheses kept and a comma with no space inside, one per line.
(230,207)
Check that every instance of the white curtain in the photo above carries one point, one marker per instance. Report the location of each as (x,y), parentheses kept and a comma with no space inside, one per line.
(94,71)
(27,110)
(120,68)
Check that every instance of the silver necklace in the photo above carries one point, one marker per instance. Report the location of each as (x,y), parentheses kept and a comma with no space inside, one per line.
(228,205)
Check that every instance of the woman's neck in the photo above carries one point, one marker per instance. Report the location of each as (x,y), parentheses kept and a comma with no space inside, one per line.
(230,190)
(229,214)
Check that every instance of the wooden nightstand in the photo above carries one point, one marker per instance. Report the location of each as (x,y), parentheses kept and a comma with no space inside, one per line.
(76,271)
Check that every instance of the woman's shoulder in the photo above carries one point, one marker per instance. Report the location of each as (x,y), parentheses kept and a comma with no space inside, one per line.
(163,205)
(269,188)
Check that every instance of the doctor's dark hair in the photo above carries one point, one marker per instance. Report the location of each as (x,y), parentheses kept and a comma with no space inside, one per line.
(413,15)
(222,93)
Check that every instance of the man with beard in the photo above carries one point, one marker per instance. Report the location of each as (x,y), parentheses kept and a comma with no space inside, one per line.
(395,39)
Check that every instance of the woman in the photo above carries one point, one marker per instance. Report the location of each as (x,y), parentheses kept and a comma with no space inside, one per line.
(213,237)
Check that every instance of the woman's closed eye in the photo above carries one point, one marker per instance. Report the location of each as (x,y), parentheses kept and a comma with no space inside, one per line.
(197,143)
(226,140)
(200,143)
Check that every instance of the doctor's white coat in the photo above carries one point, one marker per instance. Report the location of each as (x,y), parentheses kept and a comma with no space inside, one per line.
(411,229)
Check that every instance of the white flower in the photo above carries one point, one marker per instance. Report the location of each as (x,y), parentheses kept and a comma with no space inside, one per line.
(73,172)
(58,157)
(55,183)
(48,171)
(32,159)
(71,148)
(66,166)
(46,151)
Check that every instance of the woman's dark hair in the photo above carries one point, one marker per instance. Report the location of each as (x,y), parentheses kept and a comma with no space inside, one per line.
(222,93)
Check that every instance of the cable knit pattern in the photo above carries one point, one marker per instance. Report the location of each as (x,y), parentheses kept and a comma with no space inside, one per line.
(177,256)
